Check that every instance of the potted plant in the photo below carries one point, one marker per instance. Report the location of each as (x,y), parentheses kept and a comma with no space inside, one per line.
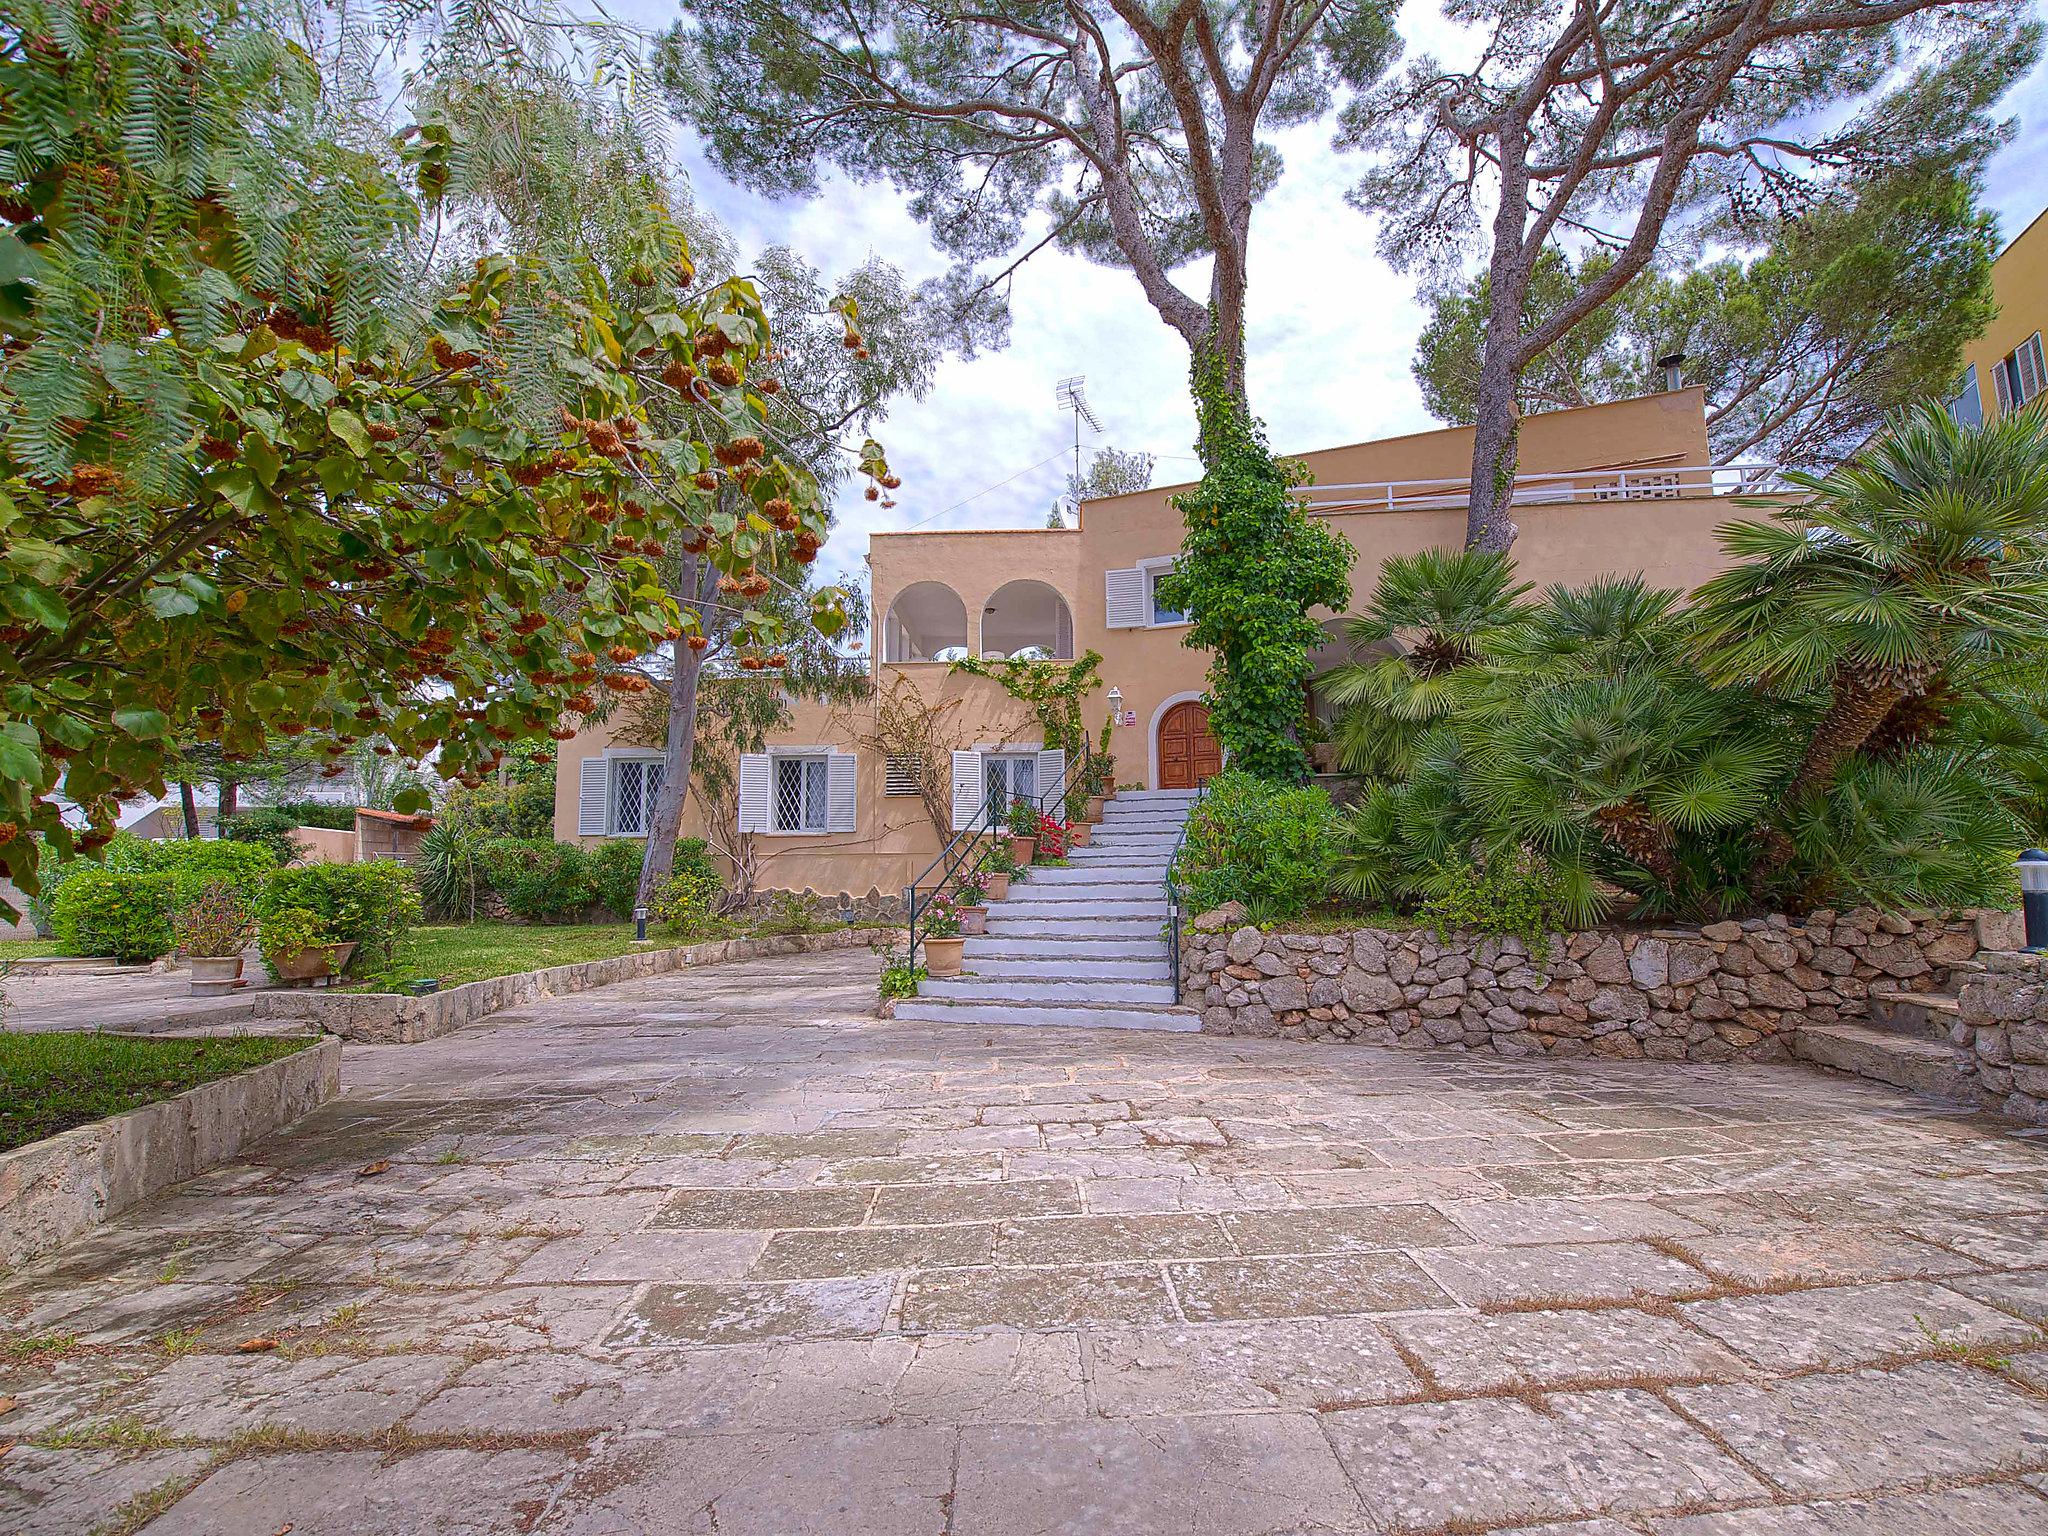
(996,868)
(942,940)
(1102,769)
(297,946)
(970,890)
(213,928)
(1023,831)
(1078,829)
(1052,839)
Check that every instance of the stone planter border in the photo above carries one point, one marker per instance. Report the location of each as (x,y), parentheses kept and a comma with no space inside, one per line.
(53,1190)
(390,1018)
(1721,992)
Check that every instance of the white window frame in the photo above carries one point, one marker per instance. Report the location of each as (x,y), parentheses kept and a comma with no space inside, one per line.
(2011,371)
(616,764)
(1025,755)
(805,755)
(1151,570)
(1967,390)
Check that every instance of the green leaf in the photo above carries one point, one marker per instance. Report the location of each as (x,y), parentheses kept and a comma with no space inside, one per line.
(339,474)
(142,724)
(348,426)
(261,457)
(410,802)
(168,602)
(18,761)
(37,604)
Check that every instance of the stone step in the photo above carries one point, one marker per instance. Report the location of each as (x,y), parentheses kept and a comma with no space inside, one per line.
(1098,992)
(1923,1015)
(1920,1066)
(1155,856)
(1148,949)
(1072,927)
(1074,905)
(1142,821)
(1066,967)
(1152,797)
(1047,1016)
(1108,876)
(70,965)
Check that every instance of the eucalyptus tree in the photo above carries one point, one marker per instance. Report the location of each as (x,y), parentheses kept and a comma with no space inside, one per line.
(1857,305)
(1126,133)
(1591,126)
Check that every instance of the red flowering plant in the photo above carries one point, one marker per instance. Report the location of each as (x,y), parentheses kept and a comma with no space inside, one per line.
(1052,838)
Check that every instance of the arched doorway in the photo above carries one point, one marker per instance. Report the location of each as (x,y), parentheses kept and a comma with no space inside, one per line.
(1188,753)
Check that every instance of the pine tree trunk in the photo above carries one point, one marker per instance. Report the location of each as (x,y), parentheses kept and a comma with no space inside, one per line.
(665,816)
(188,802)
(230,800)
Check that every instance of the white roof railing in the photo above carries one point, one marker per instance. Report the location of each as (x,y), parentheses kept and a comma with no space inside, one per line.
(1662,482)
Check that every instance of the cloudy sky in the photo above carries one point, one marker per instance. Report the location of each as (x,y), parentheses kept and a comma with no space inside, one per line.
(1332,331)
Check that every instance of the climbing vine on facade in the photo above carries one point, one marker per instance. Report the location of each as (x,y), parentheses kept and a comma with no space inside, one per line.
(1054,691)
(1253,563)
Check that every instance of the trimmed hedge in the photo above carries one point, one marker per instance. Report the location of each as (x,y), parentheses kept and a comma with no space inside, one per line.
(372,905)
(122,914)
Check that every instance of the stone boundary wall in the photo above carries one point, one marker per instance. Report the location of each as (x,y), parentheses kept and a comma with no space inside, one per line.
(2002,1034)
(53,1190)
(391,1018)
(1717,993)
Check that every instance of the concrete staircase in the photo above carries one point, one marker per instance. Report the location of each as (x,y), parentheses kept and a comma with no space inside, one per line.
(1080,946)
(1906,1041)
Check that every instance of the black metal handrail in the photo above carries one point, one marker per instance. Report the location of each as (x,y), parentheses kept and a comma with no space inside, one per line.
(1173,894)
(959,848)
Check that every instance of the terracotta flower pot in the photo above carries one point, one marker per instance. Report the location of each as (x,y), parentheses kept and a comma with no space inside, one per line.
(973,920)
(998,886)
(1022,849)
(942,956)
(1078,834)
(215,973)
(1094,811)
(313,962)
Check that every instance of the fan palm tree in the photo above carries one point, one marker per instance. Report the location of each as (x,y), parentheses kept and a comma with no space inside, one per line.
(1442,607)
(1924,552)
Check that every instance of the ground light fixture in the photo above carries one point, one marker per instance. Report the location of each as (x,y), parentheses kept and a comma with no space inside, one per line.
(2034,898)
(1116,705)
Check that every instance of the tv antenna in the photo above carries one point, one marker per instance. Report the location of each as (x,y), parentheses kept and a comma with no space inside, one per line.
(1073,397)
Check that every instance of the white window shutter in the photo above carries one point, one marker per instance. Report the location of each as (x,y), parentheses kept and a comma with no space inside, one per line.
(755,786)
(593,779)
(2001,383)
(1052,762)
(2031,369)
(970,793)
(840,815)
(1123,594)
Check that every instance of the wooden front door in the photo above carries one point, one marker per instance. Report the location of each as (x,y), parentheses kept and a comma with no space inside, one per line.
(1188,754)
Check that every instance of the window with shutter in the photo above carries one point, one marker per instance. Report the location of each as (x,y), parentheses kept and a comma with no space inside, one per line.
(635,783)
(1125,599)
(2032,375)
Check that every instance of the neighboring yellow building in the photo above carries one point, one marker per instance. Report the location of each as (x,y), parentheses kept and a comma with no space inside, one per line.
(1615,489)
(2004,366)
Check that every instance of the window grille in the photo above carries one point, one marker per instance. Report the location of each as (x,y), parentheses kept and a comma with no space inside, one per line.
(637,781)
(800,794)
(900,776)
(1010,779)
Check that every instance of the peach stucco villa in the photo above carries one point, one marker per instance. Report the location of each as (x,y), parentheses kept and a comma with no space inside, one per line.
(1621,488)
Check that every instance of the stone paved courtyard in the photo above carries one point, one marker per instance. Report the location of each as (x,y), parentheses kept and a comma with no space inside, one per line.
(721,1253)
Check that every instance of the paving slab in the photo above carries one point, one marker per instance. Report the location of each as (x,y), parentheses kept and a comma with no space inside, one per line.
(724,1252)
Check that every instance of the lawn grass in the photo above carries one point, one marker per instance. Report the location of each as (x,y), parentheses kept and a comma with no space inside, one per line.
(458,952)
(26,949)
(52,1082)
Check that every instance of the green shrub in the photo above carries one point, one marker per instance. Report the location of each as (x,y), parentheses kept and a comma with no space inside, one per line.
(540,880)
(1507,899)
(271,827)
(213,922)
(900,979)
(615,874)
(450,872)
(108,912)
(1264,844)
(524,810)
(789,912)
(287,930)
(317,813)
(371,905)
(687,904)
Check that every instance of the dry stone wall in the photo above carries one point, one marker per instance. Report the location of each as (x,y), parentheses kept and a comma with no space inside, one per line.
(2003,1030)
(1716,993)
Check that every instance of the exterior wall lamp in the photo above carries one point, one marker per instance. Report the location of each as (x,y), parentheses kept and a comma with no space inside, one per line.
(2034,898)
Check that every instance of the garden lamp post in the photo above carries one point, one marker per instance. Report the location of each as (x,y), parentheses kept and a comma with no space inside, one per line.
(2034,898)
(639,925)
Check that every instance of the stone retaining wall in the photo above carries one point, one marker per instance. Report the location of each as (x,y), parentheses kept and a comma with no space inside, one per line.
(390,1018)
(1715,993)
(55,1189)
(2003,1032)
